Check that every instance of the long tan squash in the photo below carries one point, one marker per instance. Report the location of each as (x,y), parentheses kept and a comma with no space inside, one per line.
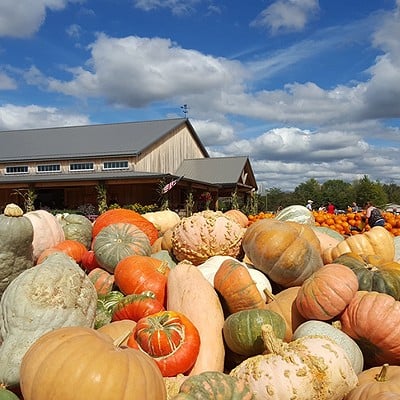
(189,292)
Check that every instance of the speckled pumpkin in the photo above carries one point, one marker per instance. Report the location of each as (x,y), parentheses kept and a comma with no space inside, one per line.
(304,369)
(206,234)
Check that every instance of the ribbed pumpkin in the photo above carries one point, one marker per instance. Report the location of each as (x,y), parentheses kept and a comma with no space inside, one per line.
(235,285)
(105,372)
(163,219)
(121,215)
(327,292)
(102,280)
(374,382)
(206,234)
(372,320)
(373,273)
(76,227)
(213,385)
(377,241)
(242,330)
(72,248)
(135,274)
(117,241)
(47,231)
(287,252)
(296,213)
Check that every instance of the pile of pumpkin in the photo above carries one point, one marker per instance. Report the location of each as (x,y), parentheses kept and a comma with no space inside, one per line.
(155,306)
(350,223)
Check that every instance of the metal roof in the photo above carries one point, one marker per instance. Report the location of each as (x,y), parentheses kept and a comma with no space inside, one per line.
(218,170)
(128,138)
(81,176)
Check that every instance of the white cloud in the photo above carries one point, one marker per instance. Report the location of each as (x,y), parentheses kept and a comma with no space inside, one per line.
(29,117)
(6,82)
(138,71)
(177,7)
(287,15)
(23,18)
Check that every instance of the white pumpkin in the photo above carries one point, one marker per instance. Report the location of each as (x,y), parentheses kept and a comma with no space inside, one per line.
(210,267)
(163,220)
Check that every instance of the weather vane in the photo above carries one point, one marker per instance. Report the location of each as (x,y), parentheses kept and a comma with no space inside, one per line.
(185,110)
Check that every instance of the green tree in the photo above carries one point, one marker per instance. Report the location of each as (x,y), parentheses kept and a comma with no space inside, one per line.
(274,198)
(310,189)
(366,190)
(393,192)
(340,193)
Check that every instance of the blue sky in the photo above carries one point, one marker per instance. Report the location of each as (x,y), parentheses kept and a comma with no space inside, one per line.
(305,88)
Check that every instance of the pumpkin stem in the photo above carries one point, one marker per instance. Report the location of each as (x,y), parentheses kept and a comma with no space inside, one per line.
(272,344)
(269,295)
(381,377)
(337,324)
(119,340)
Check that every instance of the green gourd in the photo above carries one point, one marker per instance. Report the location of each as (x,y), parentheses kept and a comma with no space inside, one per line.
(117,241)
(76,227)
(6,394)
(16,249)
(242,330)
(54,294)
(213,385)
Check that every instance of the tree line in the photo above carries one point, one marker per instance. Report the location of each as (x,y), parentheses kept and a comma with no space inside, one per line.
(342,194)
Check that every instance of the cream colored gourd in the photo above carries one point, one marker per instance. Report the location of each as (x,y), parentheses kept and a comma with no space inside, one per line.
(189,292)
(210,267)
(321,328)
(304,369)
(163,219)
(51,295)
(47,231)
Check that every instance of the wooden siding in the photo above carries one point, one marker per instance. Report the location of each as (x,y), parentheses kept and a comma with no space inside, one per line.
(166,156)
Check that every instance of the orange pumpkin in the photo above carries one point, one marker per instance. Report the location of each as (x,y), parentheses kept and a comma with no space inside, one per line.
(237,288)
(136,274)
(287,252)
(372,320)
(102,280)
(73,248)
(284,303)
(106,372)
(327,292)
(121,215)
(374,382)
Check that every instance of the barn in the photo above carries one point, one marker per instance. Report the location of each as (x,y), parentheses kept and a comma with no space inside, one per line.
(64,167)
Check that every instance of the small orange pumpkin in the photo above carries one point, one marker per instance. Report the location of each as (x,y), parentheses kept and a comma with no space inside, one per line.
(136,274)
(327,292)
(237,288)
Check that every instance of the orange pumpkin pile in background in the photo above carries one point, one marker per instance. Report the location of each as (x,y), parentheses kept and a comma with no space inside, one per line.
(345,224)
